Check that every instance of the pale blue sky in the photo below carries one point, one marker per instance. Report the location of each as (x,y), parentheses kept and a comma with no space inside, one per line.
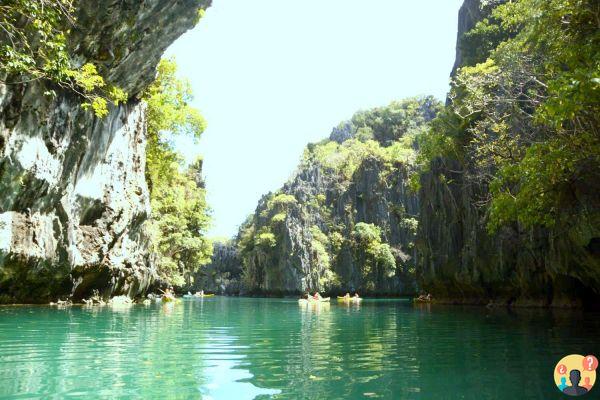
(271,76)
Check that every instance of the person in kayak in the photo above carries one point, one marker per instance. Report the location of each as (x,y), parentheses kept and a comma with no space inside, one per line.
(423,297)
(347,296)
(168,294)
(356,296)
(317,296)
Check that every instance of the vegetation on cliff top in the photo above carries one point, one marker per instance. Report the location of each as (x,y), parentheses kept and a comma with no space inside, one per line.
(33,45)
(389,134)
(524,112)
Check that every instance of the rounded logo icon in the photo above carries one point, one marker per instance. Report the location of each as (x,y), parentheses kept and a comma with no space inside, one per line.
(575,375)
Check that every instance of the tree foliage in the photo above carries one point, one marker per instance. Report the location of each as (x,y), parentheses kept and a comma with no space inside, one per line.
(526,119)
(179,222)
(389,134)
(320,245)
(33,45)
(390,123)
(180,215)
(378,261)
(168,111)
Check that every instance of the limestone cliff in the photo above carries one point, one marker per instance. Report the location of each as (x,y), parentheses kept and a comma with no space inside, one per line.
(461,262)
(223,274)
(346,221)
(74,196)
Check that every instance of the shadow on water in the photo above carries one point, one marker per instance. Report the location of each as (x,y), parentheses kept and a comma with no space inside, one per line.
(223,348)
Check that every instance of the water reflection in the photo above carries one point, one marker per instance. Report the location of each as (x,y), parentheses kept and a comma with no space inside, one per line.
(142,352)
(224,348)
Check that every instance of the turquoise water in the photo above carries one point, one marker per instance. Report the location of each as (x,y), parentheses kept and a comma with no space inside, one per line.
(239,348)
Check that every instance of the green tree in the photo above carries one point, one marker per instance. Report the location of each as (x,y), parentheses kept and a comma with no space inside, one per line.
(179,222)
(180,215)
(389,134)
(525,121)
(551,68)
(168,110)
(33,46)
(378,261)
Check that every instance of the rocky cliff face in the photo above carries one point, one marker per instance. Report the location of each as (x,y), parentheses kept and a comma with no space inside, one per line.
(74,194)
(469,14)
(462,262)
(307,236)
(223,274)
(295,263)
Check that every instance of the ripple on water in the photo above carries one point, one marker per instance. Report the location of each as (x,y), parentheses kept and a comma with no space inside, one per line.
(226,348)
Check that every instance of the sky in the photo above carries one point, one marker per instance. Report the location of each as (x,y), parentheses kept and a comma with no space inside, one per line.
(271,76)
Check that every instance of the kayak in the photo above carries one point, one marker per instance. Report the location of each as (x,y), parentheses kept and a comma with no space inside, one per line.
(168,299)
(351,299)
(203,295)
(417,300)
(312,301)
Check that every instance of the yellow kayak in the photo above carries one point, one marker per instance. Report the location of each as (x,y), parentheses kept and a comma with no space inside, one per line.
(204,295)
(313,301)
(350,299)
(168,299)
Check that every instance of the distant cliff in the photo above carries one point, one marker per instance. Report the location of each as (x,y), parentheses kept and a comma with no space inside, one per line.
(74,193)
(346,221)
(223,274)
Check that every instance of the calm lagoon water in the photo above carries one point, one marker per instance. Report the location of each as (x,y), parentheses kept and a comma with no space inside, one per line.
(242,348)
